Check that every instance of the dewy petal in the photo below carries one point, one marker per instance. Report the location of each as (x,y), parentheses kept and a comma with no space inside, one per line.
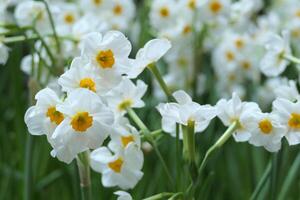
(182,97)
(134,157)
(90,43)
(46,97)
(117,41)
(123,195)
(99,159)
(154,50)
(34,121)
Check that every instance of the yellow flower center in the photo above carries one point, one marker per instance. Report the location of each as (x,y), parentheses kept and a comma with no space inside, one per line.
(265,126)
(118,9)
(215,6)
(192,4)
(81,121)
(246,64)
(88,83)
(294,121)
(126,140)
(116,165)
(125,104)
(297,13)
(97,2)
(239,43)
(54,115)
(105,59)
(229,55)
(164,12)
(69,18)
(187,29)
(182,62)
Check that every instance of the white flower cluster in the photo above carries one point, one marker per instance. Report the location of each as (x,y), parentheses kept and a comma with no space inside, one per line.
(95,94)
(254,126)
(245,46)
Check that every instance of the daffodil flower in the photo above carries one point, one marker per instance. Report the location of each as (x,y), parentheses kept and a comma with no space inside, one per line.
(184,111)
(235,110)
(267,131)
(85,126)
(122,169)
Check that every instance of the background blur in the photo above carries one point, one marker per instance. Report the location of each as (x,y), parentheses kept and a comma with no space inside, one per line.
(232,173)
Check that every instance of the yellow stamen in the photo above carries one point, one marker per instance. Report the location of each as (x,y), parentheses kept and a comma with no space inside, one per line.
(116,165)
(297,13)
(105,59)
(97,2)
(126,140)
(294,121)
(164,12)
(187,29)
(246,64)
(69,18)
(229,55)
(265,126)
(88,83)
(127,103)
(118,9)
(192,4)
(81,121)
(215,6)
(54,115)
(239,43)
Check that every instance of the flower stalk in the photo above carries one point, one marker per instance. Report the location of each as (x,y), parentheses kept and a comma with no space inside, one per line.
(291,58)
(219,143)
(83,164)
(149,138)
(153,68)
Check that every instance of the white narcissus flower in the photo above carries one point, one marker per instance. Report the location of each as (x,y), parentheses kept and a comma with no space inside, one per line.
(43,118)
(108,52)
(289,91)
(242,112)
(126,95)
(273,63)
(267,131)
(183,111)
(85,126)
(211,9)
(122,169)
(4,53)
(29,13)
(123,195)
(122,135)
(149,54)
(163,13)
(96,6)
(82,75)
(289,116)
(65,16)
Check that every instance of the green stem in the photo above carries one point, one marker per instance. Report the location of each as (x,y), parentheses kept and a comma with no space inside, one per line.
(261,182)
(219,143)
(163,195)
(178,157)
(28,168)
(290,178)
(52,26)
(291,58)
(149,137)
(28,180)
(191,150)
(21,38)
(153,68)
(273,177)
(83,164)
